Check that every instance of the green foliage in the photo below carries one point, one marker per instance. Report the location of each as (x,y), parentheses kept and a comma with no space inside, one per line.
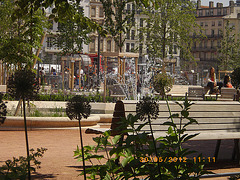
(229,51)
(235,76)
(73,32)
(167,29)
(134,157)
(3,109)
(147,107)
(117,20)
(21,34)
(23,84)
(18,167)
(162,83)
(78,107)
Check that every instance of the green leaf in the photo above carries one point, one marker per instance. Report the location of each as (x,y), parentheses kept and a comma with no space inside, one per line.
(126,160)
(107,177)
(116,138)
(168,123)
(185,113)
(174,116)
(190,137)
(170,130)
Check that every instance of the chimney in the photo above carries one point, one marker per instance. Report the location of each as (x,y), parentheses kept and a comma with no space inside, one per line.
(211,5)
(198,4)
(219,5)
(231,3)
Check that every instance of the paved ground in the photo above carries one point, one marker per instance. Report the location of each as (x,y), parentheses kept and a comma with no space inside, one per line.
(58,162)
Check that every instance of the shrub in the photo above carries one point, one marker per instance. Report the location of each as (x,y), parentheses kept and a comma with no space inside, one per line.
(236,77)
(135,157)
(162,83)
(18,167)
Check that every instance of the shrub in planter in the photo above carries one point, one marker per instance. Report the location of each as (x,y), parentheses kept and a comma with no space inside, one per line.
(162,83)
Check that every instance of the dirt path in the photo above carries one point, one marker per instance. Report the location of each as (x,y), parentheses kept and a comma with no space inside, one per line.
(58,161)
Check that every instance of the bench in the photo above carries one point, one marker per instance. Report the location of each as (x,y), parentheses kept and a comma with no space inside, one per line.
(117,91)
(217,121)
(195,93)
(228,94)
(179,91)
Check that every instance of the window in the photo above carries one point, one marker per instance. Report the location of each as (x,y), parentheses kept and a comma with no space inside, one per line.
(212,32)
(219,32)
(194,44)
(133,35)
(212,55)
(101,12)
(219,23)
(219,43)
(213,23)
(201,23)
(132,46)
(133,21)
(205,44)
(60,26)
(51,23)
(206,23)
(207,13)
(170,49)
(211,12)
(133,7)
(128,34)
(219,12)
(93,12)
(128,8)
(224,11)
(50,42)
(127,47)
(109,44)
(140,48)
(141,22)
(80,9)
(175,49)
(101,45)
(212,43)
(200,44)
(200,13)
(92,45)
(116,47)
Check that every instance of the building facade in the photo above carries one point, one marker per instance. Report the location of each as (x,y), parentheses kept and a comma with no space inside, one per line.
(212,20)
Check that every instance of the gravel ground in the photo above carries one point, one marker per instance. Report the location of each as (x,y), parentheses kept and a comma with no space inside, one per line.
(58,161)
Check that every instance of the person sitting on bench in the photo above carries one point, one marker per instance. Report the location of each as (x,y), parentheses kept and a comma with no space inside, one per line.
(212,83)
(227,82)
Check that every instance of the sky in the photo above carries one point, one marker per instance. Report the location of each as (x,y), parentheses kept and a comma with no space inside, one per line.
(225,2)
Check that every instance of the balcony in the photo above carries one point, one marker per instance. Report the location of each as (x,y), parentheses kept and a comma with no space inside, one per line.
(52,49)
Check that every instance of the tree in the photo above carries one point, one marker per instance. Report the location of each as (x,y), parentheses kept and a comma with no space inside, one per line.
(21,34)
(72,32)
(169,23)
(117,20)
(229,51)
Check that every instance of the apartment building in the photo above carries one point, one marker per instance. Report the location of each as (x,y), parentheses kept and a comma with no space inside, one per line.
(212,20)
(94,10)
(49,53)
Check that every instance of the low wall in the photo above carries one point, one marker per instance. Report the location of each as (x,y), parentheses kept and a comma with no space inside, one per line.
(52,106)
(17,123)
